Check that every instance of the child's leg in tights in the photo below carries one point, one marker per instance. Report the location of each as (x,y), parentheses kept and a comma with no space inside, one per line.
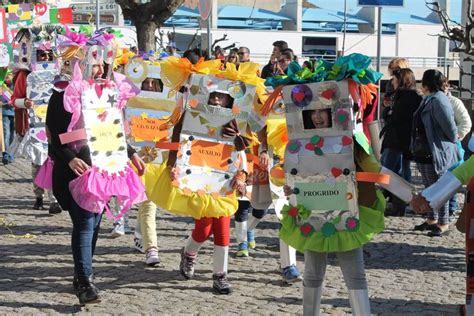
(314,271)
(241,217)
(201,232)
(353,270)
(221,230)
(254,219)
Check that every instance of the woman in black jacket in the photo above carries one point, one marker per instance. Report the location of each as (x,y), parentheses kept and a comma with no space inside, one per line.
(68,165)
(397,130)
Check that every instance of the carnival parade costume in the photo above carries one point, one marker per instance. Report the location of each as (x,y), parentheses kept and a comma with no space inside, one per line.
(208,161)
(33,80)
(86,125)
(144,114)
(330,173)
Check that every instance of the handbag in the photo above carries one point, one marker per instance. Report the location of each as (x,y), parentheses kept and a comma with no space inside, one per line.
(419,147)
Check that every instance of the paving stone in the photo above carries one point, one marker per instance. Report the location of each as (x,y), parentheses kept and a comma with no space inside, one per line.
(408,273)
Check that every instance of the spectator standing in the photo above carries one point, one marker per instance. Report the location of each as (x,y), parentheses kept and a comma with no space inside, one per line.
(433,145)
(463,124)
(8,118)
(396,133)
(244,54)
(232,58)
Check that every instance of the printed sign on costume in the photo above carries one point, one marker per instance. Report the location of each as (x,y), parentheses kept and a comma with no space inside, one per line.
(147,111)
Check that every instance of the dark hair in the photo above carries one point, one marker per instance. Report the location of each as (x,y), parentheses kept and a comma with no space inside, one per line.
(287,54)
(281,45)
(433,80)
(191,56)
(406,79)
(23,33)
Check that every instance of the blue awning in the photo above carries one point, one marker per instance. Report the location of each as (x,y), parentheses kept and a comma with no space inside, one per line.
(237,12)
(326,15)
(187,12)
(248,24)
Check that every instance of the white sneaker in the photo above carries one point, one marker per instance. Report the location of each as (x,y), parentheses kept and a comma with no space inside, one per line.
(152,257)
(138,244)
(118,230)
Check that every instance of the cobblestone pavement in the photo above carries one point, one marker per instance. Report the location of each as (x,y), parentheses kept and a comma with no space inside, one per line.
(408,272)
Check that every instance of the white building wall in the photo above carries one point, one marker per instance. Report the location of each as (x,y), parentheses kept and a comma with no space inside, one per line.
(417,40)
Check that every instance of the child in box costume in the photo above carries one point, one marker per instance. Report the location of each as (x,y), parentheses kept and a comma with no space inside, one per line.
(329,166)
(33,86)
(208,164)
(145,113)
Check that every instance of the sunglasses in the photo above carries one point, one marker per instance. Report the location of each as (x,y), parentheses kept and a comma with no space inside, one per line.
(242,53)
(283,61)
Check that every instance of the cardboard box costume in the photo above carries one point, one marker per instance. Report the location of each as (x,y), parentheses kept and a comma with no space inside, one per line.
(97,121)
(145,114)
(207,160)
(39,88)
(331,208)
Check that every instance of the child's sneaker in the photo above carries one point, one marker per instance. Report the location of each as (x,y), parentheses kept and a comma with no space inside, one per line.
(243,250)
(186,266)
(118,230)
(152,257)
(251,239)
(291,274)
(138,244)
(220,283)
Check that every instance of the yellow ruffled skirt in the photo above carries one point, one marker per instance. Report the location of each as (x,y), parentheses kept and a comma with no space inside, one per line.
(160,190)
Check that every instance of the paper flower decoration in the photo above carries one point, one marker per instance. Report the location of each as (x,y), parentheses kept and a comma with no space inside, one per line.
(306,229)
(342,117)
(301,95)
(328,229)
(294,146)
(352,224)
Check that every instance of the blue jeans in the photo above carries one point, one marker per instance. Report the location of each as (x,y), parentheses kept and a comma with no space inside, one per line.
(395,160)
(8,132)
(85,231)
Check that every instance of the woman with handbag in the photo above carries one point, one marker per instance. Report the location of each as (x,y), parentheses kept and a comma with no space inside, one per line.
(433,146)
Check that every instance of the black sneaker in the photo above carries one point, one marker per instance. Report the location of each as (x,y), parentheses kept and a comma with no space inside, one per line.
(186,266)
(38,204)
(220,283)
(86,291)
(54,208)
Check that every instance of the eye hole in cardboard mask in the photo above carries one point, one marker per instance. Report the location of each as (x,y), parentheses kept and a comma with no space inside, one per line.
(152,85)
(316,119)
(24,48)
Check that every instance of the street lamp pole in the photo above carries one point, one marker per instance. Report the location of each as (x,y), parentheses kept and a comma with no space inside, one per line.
(344,28)
(97,14)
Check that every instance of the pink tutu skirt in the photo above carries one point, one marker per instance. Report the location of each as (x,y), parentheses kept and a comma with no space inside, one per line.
(44,178)
(94,189)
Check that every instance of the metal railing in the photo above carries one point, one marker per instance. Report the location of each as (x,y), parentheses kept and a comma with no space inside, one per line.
(415,62)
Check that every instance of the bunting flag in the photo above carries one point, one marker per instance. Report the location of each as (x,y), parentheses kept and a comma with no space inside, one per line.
(61,15)
(41,12)
(19,12)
